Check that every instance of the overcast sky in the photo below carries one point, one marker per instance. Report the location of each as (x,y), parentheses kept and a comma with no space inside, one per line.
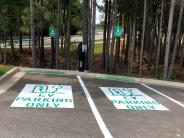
(97,12)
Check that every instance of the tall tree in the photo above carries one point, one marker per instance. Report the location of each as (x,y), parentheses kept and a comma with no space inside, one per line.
(32,26)
(142,39)
(133,44)
(109,28)
(105,35)
(89,12)
(113,15)
(85,24)
(159,39)
(168,40)
(67,38)
(58,34)
(93,28)
(182,56)
(177,38)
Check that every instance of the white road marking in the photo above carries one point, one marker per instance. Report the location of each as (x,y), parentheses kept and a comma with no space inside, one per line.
(122,97)
(97,115)
(56,96)
(9,83)
(173,100)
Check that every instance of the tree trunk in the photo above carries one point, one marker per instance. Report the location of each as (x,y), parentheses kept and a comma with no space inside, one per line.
(179,46)
(85,26)
(112,54)
(38,50)
(12,45)
(168,41)
(63,27)
(129,49)
(127,43)
(5,52)
(42,48)
(112,58)
(67,40)
(1,58)
(151,48)
(32,26)
(159,39)
(133,45)
(108,37)
(176,41)
(93,33)
(20,42)
(57,35)
(89,11)
(162,50)
(30,41)
(118,47)
(105,35)
(182,57)
(142,39)
(124,44)
(52,51)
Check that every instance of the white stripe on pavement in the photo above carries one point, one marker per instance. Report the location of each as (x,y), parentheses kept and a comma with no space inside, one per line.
(173,100)
(97,115)
(9,83)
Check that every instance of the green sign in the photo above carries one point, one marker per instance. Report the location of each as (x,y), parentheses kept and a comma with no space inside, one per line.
(52,31)
(118,31)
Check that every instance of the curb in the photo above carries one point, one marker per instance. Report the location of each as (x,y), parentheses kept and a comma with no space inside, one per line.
(160,83)
(9,73)
(106,77)
(42,71)
(116,78)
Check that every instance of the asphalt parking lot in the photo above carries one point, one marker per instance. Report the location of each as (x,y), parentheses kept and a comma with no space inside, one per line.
(70,106)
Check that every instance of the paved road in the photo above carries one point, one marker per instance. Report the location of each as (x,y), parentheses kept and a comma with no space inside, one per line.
(47,40)
(93,114)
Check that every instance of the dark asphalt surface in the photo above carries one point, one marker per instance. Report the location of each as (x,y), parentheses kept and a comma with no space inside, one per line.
(47,123)
(80,122)
(176,93)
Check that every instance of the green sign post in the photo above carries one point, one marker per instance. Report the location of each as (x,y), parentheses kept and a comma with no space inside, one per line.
(52,31)
(118,31)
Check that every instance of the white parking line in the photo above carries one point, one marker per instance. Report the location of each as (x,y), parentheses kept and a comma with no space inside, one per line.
(9,83)
(173,100)
(97,115)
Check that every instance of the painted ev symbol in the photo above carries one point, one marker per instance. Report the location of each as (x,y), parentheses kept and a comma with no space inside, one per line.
(46,88)
(125,92)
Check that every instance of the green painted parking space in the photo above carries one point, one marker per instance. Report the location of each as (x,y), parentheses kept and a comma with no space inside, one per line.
(114,77)
(45,71)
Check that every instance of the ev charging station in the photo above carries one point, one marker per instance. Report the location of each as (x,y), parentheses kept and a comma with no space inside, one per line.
(82,52)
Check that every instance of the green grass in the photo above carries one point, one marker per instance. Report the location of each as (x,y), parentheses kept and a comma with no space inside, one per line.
(98,48)
(4,69)
(23,37)
(99,29)
(100,40)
